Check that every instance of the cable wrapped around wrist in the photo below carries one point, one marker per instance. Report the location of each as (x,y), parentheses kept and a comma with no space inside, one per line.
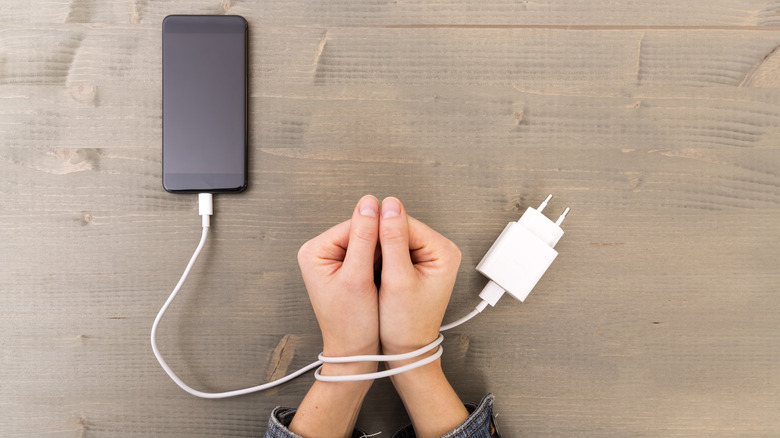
(380,358)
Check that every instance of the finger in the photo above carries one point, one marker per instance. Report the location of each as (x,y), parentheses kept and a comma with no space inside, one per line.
(427,245)
(363,236)
(331,245)
(394,239)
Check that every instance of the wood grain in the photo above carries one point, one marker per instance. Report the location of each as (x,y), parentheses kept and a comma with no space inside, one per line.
(743,13)
(658,123)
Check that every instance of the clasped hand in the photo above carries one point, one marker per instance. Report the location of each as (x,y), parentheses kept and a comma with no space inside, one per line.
(416,268)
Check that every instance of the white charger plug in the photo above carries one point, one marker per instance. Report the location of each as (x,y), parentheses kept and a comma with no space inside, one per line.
(521,255)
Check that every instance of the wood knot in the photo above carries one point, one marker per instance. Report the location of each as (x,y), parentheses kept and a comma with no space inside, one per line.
(84,93)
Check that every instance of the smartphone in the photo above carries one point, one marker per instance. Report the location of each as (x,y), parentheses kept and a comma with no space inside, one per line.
(204,94)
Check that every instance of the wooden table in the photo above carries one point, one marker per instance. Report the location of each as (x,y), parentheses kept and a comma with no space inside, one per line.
(657,122)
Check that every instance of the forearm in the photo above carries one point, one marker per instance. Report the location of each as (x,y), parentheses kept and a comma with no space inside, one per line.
(331,408)
(433,406)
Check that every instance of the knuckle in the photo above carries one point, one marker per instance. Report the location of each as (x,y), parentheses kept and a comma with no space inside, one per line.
(305,253)
(364,234)
(353,282)
(452,252)
(391,234)
(457,253)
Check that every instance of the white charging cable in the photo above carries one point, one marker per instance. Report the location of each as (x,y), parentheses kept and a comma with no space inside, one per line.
(206,210)
(496,265)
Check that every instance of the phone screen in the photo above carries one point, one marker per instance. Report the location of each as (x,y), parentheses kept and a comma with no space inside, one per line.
(204,103)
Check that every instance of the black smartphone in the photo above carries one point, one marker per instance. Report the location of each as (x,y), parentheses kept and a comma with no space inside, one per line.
(204,96)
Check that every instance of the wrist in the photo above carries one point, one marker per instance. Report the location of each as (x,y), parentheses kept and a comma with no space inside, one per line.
(408,348)
(333,406)
(436,364)
(432,404)
(419,380)
(349,348)
(348,369)
(349,392)
(351,368)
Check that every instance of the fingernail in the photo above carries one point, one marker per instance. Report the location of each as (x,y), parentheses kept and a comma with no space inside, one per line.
(369,206)
(390,208)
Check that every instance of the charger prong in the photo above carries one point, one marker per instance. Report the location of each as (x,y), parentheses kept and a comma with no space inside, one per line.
(562,217)
(544,203)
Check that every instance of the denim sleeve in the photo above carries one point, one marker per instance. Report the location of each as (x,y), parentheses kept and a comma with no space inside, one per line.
(281,417)
(480,423)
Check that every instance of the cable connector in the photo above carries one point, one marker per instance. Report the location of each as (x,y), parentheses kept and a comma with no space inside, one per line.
(205,208)
(521,255)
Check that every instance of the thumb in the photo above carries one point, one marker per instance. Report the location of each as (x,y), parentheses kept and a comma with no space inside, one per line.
(359,259)
(394,239)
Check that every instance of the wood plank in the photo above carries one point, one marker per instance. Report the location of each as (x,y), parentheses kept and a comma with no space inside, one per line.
(462,12)
(578,61)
